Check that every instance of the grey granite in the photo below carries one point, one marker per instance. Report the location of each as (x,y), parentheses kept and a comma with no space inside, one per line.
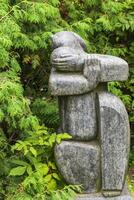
(69,56)
(114,141)
(113,68)
(92,71)
(68,39)
(74,62)
(109,68)
(97,120)
(125,195)
(78,116)
(79,163)
(67,84)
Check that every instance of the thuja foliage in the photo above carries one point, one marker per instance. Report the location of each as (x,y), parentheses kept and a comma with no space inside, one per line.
(47,112)
(27,166)
(28,170)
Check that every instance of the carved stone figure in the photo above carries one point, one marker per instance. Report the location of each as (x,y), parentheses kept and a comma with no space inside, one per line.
(97,155)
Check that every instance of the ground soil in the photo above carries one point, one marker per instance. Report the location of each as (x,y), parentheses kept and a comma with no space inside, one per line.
(131,173)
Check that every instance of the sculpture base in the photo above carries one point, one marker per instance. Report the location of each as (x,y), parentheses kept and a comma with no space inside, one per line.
(124,196)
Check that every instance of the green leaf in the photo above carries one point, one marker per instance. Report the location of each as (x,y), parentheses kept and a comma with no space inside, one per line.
(47,178)
(42,168)
(56,176)
(29,170)
(52,165)
(19,162)
(33,151)
(1,115)
(18,171)
(45,169)
(52,185)
(62,136)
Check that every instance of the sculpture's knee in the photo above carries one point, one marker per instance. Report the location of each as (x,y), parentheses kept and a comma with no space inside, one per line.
(114,141)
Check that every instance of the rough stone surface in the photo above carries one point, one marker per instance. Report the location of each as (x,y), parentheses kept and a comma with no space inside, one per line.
(79,163)
(114,141)
(75,59)
(68,39)
(112,68)
(91,70)
(78,116)
(67,84)
(96,118)
(69,56)
(125,195)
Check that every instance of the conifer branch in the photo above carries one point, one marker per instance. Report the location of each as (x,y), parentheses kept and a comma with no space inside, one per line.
(8,13)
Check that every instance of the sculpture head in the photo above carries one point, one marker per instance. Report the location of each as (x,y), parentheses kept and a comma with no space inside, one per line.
(68,39)
(68,54)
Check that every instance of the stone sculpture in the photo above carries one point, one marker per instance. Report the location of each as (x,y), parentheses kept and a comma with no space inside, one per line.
(97,155)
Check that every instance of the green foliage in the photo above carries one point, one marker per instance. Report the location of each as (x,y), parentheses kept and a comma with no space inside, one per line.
(31,167)
(35,167)
(27,165)
(131,158)
(131,186)
(47,112)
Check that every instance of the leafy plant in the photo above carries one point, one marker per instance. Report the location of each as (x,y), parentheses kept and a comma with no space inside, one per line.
(47,112)
(131,185)
(26,145)
(35,167)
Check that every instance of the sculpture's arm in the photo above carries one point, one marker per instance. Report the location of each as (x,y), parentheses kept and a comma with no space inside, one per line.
(69,59)
(95,67)
(109,68)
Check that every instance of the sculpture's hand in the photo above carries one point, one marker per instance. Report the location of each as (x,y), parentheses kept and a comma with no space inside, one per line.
(69,63)
(67,59)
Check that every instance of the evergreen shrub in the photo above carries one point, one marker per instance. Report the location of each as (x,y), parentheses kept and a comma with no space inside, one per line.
(27,165)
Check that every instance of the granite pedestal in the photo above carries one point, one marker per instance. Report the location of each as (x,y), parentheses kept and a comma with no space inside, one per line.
(125,195)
